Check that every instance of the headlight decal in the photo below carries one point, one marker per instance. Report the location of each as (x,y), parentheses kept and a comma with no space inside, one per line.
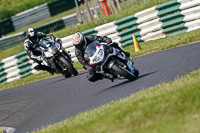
(98,56)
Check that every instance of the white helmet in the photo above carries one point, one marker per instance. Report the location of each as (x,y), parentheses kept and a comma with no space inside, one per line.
(31,33)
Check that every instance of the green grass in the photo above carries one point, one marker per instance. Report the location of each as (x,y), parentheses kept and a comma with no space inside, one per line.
(147,48)
(11,7)
(11,51)
(166,108)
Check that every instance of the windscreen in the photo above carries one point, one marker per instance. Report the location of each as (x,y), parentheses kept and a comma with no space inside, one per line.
(90,50)
(45,42)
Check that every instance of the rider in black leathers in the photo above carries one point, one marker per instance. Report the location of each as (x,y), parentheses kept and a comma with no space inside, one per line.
(31,45)
(81,42)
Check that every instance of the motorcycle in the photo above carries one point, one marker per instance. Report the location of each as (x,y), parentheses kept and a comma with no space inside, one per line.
(110,62)
(56,57)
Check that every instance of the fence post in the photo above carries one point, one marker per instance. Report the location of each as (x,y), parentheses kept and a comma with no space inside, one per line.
(79,16)
(88,10)
(100,8)
(110,7)
(138,2)
(130,2)
(95,10)
(105,7)
(124,4)
(83,10)
(113,4)
(119,7)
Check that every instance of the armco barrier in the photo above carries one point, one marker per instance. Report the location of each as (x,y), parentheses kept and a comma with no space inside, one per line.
(6,26)
(70,19)
(58,6)
(167,19)
(12,40)
(51,27)
(30,16)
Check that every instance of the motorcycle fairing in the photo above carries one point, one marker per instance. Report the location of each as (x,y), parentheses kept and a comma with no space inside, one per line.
(98,56)
(102,58)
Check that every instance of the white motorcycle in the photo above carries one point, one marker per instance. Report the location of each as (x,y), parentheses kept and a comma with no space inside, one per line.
(110,62)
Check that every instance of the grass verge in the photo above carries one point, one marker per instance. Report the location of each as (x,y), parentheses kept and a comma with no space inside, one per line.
(147,48)
(166,108)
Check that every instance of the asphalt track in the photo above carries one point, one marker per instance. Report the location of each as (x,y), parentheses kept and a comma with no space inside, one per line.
(32,106)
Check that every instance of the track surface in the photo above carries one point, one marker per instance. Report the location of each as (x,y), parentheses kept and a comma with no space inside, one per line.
(35,105)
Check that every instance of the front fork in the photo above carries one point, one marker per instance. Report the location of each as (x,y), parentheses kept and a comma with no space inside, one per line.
(66,53)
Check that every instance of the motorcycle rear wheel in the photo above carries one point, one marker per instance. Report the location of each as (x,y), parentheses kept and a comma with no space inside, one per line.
(70,67)
(123,72)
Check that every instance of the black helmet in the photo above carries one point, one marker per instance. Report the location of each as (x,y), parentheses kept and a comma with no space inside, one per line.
(31,34)
(79,40)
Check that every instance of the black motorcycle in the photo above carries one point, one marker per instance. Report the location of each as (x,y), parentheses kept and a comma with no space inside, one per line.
(56,57)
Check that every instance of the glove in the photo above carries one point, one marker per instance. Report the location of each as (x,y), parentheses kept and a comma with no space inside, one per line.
(108,41)
(59,40)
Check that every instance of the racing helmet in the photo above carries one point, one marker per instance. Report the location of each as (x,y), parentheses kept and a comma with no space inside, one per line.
(79,40)
(31,34)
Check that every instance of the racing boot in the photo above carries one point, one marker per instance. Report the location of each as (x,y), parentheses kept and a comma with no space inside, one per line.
(48,69)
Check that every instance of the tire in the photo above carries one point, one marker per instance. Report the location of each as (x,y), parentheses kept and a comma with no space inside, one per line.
(66,74)
(123,72)
(70,67)
(136,72)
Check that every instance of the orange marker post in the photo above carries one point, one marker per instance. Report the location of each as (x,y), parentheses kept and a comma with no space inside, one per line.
(105,7)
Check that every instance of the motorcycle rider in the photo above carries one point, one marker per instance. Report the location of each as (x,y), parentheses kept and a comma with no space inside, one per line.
(81,42)
(31,45)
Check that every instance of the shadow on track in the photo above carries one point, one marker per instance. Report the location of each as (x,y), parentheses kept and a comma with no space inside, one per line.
(144,75)
(68,77)
(125,82)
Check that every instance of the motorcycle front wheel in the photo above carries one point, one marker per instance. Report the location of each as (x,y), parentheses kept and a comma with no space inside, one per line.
(70,67)
(123,72)
(136,72)
(66,74)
